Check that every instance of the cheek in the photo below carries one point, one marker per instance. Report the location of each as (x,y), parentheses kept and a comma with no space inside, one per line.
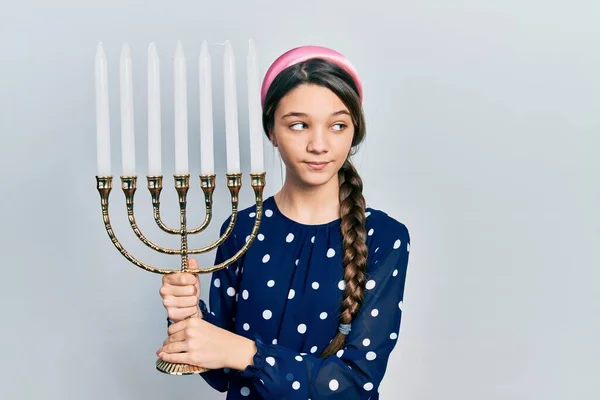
(343,145)
(287,153)
(290,147)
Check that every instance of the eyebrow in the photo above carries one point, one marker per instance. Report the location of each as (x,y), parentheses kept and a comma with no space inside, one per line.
(304,115)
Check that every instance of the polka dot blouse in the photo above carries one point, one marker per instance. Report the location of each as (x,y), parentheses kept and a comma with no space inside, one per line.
(285,294)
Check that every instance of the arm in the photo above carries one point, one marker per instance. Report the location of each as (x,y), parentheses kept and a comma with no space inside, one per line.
(356,371)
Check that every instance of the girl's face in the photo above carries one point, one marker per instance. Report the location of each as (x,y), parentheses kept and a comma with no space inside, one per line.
(313,130)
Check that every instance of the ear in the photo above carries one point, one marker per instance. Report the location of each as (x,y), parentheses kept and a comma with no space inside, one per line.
(272,139)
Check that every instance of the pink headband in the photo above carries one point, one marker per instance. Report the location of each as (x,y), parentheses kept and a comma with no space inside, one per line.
(304,53)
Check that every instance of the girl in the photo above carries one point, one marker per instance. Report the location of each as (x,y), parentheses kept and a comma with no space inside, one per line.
(313,310)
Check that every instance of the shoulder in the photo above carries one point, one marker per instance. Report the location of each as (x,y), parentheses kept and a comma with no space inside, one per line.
(385,234)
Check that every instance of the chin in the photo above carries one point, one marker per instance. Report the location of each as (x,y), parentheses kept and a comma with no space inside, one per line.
(315,179)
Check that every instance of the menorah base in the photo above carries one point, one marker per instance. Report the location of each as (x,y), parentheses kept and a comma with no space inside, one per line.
(178,369)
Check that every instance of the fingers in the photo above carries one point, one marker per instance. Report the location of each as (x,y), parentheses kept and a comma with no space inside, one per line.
(180,292)
(176,347)
(187,326)
(180,302)
(177,358)
(180,314)
(172,290)
(176,337)
(180,279)
(193,264)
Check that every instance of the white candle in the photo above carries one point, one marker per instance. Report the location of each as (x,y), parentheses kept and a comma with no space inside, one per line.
(181,120)
(207,160)
(127,128)
(254,112)
(154,112)
(102,114)
(231,117)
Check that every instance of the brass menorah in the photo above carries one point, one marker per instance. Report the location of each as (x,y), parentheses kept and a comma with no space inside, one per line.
(181,176)
(182,184)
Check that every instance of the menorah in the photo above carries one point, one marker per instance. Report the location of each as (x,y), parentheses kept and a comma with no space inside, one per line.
(181,177)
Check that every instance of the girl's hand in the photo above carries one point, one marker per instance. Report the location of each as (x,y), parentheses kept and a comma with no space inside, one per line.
(181,293)
(196,342)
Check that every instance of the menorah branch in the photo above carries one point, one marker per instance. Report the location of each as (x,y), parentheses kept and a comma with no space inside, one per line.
(104,185)
(155,187)
(129,186)
(258,184)
(234,183)
(207,184)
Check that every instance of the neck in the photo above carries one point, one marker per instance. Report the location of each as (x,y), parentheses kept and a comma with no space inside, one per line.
(310,205)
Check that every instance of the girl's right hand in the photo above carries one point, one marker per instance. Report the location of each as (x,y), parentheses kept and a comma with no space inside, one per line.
(180,292)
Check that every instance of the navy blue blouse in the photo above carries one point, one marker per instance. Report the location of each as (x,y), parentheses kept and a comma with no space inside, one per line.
(285,294)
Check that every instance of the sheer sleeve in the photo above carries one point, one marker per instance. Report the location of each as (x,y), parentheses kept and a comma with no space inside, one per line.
(356,371)
(223,301)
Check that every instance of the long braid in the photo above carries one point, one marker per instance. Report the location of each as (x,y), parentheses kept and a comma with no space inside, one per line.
(352,212)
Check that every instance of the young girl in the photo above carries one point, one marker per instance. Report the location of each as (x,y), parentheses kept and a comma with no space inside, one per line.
(313,310)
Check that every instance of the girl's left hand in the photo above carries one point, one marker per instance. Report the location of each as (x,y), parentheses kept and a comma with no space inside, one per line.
(196,342)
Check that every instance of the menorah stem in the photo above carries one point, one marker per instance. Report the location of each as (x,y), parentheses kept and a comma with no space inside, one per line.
(182,185)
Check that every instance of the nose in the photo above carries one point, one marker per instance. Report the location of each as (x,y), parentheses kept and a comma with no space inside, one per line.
(318,142)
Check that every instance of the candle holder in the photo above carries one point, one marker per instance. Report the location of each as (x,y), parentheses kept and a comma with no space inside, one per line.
(182,184)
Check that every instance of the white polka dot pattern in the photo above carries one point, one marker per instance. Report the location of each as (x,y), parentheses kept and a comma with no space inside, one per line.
(334,385)
(291,271)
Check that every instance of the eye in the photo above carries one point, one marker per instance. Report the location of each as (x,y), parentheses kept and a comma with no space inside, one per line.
(295,126)
(341,125)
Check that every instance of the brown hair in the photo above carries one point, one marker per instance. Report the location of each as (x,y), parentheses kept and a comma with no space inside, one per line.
(352,203)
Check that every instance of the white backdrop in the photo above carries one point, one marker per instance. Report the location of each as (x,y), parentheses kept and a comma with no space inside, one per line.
(483,138)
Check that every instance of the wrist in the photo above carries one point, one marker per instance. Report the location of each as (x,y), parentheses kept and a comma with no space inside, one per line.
(239,352)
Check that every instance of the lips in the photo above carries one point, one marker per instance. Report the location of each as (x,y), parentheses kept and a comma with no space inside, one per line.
(317,165)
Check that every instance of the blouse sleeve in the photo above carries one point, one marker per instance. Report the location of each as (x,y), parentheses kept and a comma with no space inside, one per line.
(356,371)
(222,299)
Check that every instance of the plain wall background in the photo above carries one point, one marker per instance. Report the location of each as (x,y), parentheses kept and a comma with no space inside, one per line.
(483,138)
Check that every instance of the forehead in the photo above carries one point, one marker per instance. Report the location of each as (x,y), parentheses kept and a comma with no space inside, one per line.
(316,101)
